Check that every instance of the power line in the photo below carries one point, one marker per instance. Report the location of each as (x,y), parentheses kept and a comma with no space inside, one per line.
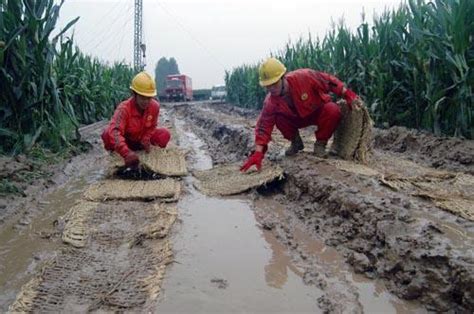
(104,26)
(121,40)
(108,38)
(192,36)
(115,44)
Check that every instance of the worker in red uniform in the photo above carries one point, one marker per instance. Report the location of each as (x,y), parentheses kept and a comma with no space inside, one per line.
(134,123)
(296,100)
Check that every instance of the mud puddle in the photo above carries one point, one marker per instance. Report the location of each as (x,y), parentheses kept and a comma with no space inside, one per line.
(28,244)
(327,268)
(224,262)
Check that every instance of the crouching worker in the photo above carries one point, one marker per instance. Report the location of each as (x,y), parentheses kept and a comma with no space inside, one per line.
(296,100)
(134,124)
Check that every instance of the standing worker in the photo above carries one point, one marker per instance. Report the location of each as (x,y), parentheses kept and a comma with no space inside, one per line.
(134,123)
(296,100)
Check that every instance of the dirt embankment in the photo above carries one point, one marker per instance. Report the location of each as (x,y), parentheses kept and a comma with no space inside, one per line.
(28,179)
(447,153)
(421,251)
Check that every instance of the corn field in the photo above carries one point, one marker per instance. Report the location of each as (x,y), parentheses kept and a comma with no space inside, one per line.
(48,87)
(413,65)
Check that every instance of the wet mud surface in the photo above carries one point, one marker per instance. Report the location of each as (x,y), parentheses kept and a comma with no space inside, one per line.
(34,181)
(416,249)
(329,238)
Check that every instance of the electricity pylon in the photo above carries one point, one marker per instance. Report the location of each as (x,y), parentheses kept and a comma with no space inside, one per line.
(139,47)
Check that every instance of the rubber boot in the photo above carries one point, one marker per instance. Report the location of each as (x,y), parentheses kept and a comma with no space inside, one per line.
(320,150)
(296,145)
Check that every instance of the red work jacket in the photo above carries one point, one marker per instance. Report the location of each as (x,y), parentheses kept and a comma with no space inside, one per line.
(128,125)
(308,90)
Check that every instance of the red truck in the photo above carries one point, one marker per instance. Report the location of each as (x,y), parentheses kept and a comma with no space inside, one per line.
(179,88)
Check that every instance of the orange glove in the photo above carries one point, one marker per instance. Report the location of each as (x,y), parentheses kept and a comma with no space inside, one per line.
(254,159)
(350,96)
(131,160)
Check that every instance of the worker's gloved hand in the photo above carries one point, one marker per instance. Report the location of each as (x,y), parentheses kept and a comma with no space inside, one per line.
(254,159)
(350,96)
(132,160)
(146,146)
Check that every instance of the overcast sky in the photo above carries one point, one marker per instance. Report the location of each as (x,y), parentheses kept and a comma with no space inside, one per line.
(207,37)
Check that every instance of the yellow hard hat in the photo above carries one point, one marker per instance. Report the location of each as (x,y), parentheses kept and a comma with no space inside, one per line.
(271,71)
(143,84)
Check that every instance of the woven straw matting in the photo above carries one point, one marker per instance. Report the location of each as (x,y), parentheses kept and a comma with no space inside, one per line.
(76,231)
(228,180)
(158,227)
(167,190)
(452,192)
(169,161)
(449,191)
(24,301)
(354,133)
(108,274)
(461,207)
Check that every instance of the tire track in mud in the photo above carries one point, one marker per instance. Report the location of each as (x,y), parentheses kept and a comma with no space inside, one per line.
(419,251)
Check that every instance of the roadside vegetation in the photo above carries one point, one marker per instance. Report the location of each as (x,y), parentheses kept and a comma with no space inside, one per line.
(49,88)
(413,66)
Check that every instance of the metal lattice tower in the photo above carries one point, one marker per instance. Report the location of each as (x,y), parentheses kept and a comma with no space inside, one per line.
(138,45)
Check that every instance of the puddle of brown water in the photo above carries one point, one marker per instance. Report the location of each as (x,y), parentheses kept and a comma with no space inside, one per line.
(218,241)
(22,250)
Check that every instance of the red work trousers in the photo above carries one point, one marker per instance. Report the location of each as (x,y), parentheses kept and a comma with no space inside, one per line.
(326,118)
(160,137)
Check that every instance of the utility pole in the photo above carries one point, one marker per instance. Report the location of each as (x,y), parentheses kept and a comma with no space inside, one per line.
(138,46)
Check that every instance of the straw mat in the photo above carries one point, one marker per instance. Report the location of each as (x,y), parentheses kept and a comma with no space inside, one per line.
(159,227)
(76,230)
(354,133)
(167,190)
(449,191)
(108,274)
(452,192)
(228,180)
(168,161)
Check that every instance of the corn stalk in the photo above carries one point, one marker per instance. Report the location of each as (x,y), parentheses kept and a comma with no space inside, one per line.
(48,86)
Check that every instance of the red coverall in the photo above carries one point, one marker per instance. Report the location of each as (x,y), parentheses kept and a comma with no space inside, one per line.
(130,130)
(309,103)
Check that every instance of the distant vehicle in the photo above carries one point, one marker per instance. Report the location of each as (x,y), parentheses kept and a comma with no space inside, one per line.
(218,92)
(178,88)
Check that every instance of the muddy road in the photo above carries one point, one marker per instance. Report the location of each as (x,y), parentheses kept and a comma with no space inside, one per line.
(330,237)
(405,219)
